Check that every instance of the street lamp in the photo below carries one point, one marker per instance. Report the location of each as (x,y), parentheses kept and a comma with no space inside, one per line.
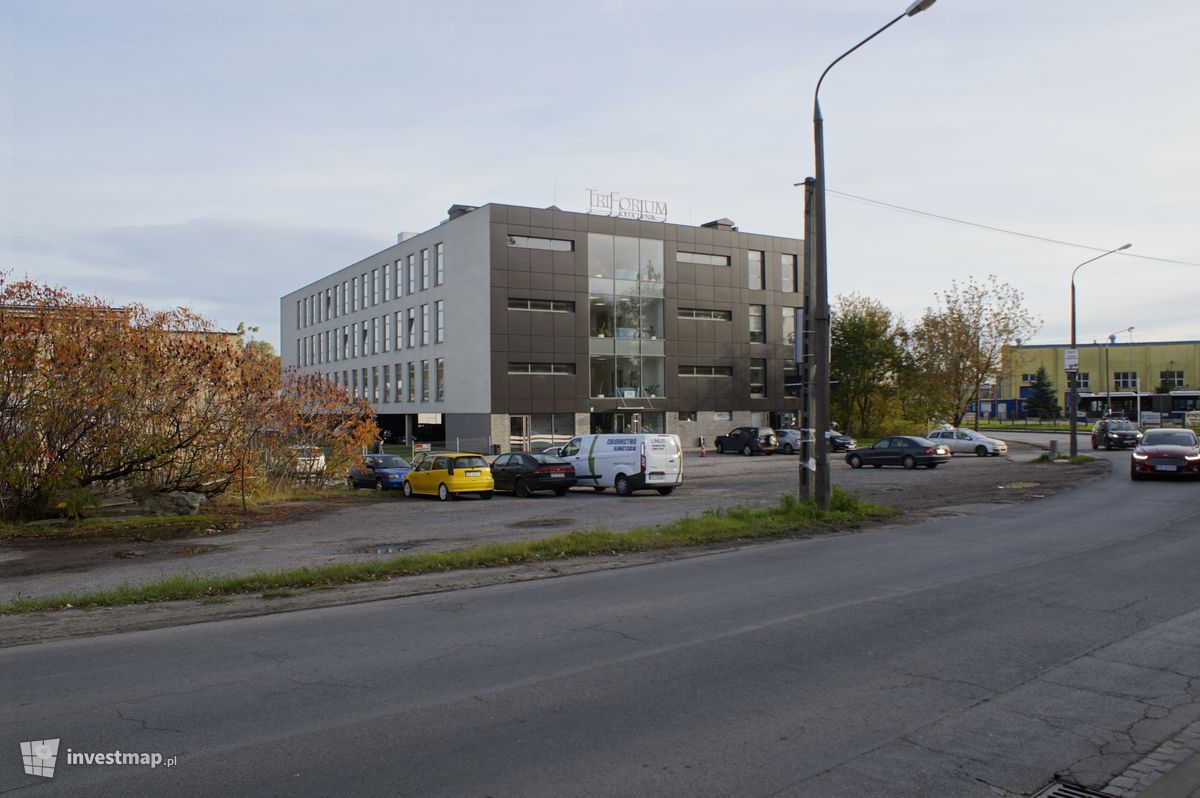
(817,292)
(1112,339)
(1073,374)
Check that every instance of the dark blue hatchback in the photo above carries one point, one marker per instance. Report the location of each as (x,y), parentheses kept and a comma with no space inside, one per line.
(379,471)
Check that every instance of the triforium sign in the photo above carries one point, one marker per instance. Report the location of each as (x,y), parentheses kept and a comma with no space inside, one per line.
(613,204)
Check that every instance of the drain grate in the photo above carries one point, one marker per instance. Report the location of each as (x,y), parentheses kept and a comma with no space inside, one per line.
(1059,789)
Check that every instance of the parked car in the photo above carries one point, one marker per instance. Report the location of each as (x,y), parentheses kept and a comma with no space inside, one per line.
(748,441)
(840,441)
(309,460)
(909,451)
(627,463)
(379,471)
(523,473)
(449,474)
(966,441)
(1166,453)
(1115,433)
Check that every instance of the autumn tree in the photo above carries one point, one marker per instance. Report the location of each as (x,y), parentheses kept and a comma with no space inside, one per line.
(867,353)
(955,348)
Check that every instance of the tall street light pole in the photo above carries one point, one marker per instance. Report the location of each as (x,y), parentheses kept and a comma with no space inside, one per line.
(1073,373)
(817,313)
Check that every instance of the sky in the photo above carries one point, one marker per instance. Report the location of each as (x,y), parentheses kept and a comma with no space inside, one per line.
(219,155)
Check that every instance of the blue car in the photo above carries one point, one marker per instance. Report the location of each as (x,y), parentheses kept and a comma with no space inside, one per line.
(379,471)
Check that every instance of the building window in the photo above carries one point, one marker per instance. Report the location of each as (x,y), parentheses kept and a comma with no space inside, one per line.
(412,328)
(533,242)
(440,370)
(1172,379)
(1083,381)
(354,383)
(722,415)
(706,371)
(424,325)
(687,415)
(364,383)
(337,299)
(375,286)
(399,329)
(787,273)
(354,296)
(758,331)
(758,377)
(541,368)
(328,304)
(399,380)
(756,276)
(346,347)
(412,274)
(387,384)
(412,381)
(706,313)
(701,258)
(788,317)
(424,380)
(375,384)
(547,305)
(439,321)
(440,255)
(1125,380)
(387,283)
(366,337)
(424,269)
(387,332)
(345,297)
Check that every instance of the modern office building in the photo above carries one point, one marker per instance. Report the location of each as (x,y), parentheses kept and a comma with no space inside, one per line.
(520,327)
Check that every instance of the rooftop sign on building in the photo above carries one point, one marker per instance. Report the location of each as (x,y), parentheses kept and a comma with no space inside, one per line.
(613,204)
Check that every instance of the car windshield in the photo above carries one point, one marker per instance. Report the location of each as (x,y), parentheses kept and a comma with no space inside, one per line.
(546,459)
(1121,425)
(391,461)
(470,461)
(1169,437)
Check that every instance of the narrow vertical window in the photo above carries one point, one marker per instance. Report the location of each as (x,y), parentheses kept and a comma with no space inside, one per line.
(387,384)
(758,333)
(387,283)
(424,325)
(440,365)
(424,380)
(440,276)
(439,316)
(424,269)
(412,381)
(399,330)
(755,276)
(387,332)
(412,274)
(787,273)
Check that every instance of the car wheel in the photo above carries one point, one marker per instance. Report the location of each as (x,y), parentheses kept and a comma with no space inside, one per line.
(787,448)
(521,488)
(720,448)
(485,494)
(666,491)
(1108,446)
(560,491)
(981,450)
(909,462)
(621,483)
(407,489)
(855,461)
(444,492)
(747,451)
(1094,444)
(378,483)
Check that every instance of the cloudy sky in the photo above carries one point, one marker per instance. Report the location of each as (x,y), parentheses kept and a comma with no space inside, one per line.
(221,154)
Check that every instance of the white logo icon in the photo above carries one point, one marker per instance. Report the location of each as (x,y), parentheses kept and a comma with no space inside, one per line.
(39,757)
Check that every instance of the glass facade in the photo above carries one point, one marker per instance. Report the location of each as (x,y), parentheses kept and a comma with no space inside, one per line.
(625,316)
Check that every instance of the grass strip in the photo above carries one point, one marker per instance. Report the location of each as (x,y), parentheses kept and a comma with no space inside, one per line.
(110,527)
(713,526)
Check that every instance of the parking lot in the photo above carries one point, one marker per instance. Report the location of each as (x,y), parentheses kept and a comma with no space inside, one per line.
(390,524)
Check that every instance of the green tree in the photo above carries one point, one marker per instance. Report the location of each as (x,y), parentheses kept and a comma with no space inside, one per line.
(866,352)
(1042,402)
(956,348)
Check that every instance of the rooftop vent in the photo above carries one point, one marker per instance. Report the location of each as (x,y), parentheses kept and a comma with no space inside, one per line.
(460,210)
(721,224)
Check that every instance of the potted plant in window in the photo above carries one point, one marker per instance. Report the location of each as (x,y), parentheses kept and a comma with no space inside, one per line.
(652,390)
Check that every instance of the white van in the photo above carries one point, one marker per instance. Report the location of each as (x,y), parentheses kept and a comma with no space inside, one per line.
(644,461)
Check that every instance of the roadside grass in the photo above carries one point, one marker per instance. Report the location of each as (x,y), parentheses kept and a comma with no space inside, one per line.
(1078,459)
(115,527)
(789,516)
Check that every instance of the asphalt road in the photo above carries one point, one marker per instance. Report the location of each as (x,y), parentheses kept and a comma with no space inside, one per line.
(975,655)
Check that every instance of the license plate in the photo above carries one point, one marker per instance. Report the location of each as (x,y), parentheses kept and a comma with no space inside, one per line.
(557,476)
(1164,468)
(474,473)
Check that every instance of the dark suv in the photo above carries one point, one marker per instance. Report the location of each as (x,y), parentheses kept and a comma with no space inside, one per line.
(1115,433)
(748,440)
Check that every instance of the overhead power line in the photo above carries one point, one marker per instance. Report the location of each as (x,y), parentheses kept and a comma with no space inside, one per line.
(952,220)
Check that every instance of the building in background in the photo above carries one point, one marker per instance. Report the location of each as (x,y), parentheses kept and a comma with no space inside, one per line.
(1159,378)
(521,327)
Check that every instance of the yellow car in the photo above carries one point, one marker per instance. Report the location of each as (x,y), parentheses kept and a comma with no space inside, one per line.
(447,474)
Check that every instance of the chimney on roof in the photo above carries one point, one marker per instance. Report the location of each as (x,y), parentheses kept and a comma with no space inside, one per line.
(460,210)
(721,224)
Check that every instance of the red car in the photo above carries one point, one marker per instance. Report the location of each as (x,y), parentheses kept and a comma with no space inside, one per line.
(1166,453)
